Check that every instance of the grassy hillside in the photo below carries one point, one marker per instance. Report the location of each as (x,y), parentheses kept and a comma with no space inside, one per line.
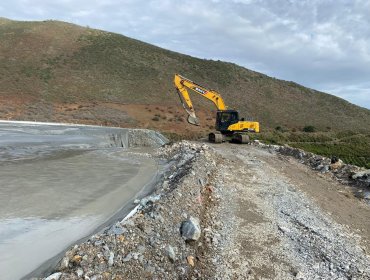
(351,147)
(58,71)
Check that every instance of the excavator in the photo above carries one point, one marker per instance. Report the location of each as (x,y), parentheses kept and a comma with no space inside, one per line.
(228,125)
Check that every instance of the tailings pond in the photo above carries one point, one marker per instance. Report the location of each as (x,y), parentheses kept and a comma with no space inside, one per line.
(61,183)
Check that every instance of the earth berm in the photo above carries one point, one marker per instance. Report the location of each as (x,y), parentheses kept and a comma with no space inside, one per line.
(235,212)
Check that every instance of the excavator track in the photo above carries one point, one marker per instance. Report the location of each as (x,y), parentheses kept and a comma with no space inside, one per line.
(240,138)
(215,137)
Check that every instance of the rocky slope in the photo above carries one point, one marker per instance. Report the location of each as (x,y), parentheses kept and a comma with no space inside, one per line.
(234,212)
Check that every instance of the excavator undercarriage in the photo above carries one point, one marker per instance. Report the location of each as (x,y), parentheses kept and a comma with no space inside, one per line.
(218,137)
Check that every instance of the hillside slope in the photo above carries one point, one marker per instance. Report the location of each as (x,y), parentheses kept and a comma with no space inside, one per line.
(58,71)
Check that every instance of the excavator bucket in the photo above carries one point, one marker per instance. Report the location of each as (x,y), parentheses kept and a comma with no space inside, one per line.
(193,120)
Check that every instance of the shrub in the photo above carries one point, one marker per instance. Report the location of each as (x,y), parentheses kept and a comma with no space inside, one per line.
(309,128)
(156,119)
(281,129)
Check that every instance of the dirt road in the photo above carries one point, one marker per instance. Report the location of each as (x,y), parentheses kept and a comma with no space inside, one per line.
(285,221)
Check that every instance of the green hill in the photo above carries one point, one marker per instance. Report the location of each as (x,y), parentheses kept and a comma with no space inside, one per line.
(57,71)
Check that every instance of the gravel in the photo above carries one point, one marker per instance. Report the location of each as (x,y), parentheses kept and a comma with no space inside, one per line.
(246,222)
(347,174)
(272,230)
(149,243)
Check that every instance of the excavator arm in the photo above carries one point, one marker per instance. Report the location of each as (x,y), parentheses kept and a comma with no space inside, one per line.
(183,84)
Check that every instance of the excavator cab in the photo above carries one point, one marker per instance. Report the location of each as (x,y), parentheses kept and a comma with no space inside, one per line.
(226,118)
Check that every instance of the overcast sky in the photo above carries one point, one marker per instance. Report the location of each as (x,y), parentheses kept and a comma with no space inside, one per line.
(321,44)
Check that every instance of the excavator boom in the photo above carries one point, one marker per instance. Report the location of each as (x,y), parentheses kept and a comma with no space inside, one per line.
(183,84)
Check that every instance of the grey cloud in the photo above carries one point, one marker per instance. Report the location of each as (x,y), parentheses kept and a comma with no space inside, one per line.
(346,92)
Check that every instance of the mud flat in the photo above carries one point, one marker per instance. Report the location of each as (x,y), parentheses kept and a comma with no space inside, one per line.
(61,183)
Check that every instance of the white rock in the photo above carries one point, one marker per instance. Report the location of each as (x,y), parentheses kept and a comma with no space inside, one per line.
(111,259)
(171,253)
(54,276)
(79,272)
(284,229)
(64,263)
(361,174)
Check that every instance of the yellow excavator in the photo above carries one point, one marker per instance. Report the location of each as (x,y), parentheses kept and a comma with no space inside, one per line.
(228,125)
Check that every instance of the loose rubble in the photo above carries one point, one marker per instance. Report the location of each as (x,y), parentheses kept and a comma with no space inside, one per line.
(161,240)
(201,223)
(344,173)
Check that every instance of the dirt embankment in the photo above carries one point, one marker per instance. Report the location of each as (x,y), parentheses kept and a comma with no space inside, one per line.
(232,212)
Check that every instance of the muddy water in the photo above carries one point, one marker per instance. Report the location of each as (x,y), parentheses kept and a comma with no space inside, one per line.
(58,184)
